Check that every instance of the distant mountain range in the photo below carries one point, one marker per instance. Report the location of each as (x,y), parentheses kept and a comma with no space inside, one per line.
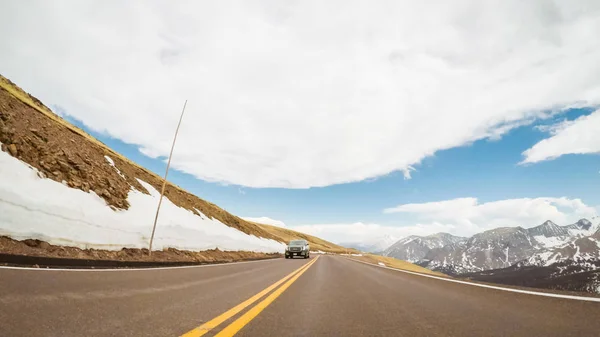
(376,245)
(548,245)
(415,248)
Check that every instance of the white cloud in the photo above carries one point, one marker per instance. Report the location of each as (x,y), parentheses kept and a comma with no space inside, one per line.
(266,220)
(468,216)
(361,232)
(580,136)
(461,216)
(308,93)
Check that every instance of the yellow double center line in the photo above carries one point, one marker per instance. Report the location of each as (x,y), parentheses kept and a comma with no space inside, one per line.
(238,324)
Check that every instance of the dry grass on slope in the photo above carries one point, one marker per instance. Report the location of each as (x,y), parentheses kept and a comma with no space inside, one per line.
(395,263)
(316,244)
(31,132)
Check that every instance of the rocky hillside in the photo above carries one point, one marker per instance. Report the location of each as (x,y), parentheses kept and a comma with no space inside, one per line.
(61,152)
(566,275)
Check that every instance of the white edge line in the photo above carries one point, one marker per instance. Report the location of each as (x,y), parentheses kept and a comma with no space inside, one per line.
(569,297)
(134,268)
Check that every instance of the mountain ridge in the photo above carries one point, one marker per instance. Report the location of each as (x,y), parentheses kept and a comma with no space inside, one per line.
(502,247)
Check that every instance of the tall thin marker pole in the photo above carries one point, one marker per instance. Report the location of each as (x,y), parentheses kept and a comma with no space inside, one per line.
(162,191)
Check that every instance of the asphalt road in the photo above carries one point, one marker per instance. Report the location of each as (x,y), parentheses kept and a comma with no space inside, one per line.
(328,296)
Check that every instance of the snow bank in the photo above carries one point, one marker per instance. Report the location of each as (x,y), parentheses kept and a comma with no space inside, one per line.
(31,207)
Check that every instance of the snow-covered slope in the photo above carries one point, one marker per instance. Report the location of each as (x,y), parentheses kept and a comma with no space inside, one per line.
(487,250)
(35,207)
(583,227)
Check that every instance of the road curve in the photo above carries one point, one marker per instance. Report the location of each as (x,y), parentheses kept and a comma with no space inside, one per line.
(332,297)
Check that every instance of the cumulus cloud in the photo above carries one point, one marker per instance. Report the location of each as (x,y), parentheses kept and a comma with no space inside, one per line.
(580,136)
(468,216)
(266,220)
(461,216)
(307,93)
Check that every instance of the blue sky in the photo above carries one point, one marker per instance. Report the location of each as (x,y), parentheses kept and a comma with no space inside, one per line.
(344,122)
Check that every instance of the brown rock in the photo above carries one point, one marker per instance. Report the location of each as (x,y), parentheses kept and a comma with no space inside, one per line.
(7,131)
(45,166)
(3,148)
(12,149)
(56,173)
(31,242)
(44,245)
(105,194)
(64,166)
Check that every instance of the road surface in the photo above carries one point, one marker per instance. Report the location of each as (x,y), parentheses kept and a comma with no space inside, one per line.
(325,296)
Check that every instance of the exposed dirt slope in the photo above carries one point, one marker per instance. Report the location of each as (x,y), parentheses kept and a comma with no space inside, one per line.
(44,249)
(31,132)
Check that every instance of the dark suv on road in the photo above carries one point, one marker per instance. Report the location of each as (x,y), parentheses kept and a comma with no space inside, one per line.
(297,248)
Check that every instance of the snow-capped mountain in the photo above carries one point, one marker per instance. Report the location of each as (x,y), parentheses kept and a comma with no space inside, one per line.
(496,248)
(376,245)
(502,247)
(550,229)
(414,248)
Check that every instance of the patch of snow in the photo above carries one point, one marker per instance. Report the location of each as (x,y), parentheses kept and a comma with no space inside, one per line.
(109,160)
(552,241)
(356,254)
(576,256)
(596,241)
(409,240)
(112,163)
(381,264)
(553,259)
(35,208)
